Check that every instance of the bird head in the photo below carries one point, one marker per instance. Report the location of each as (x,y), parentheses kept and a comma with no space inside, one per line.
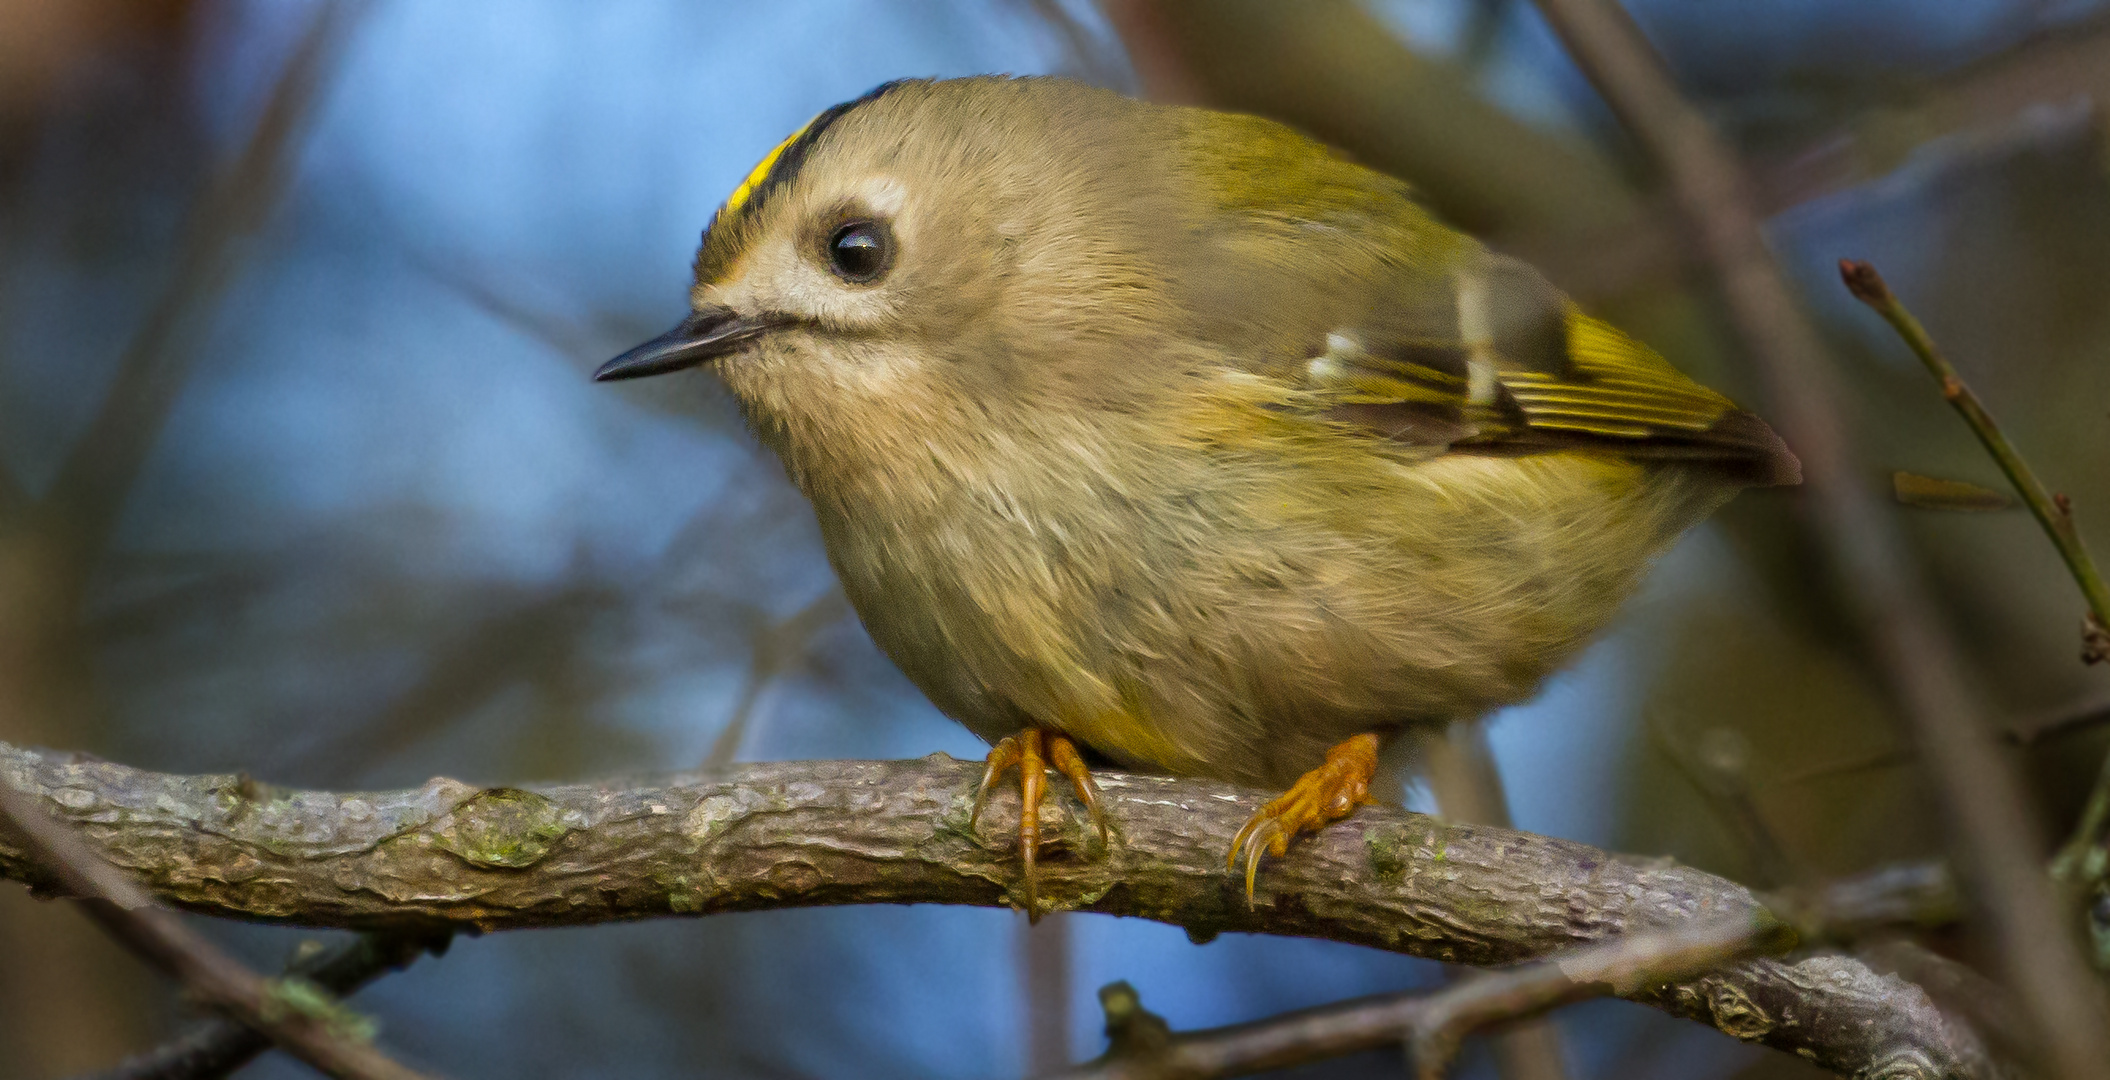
(969,240)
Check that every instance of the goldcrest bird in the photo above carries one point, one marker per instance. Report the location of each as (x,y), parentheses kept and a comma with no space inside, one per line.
(1174,438)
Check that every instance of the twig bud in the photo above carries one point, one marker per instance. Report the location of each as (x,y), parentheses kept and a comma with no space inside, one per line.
(1862,280)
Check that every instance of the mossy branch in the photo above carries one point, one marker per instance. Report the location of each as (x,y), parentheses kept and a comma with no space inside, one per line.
(450,855)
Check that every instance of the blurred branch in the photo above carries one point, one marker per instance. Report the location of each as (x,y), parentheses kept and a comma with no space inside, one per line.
(14,498)
(1917,895)
(567,337)
(1716,770)
(2083,861)
(214,1046)
(1997,841)
(1089,58)
(2061,63)
(305,1021)
(516,637)
(1483,31)
(1981,1004)
(1335,70)
(775,649)
(2067,721)
(2054,512)
(1459,764)
(1430,1025)
(794,834)
(1045,972)
(92,482)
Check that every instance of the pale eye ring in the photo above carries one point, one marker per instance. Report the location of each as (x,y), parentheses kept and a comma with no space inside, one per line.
(861,251)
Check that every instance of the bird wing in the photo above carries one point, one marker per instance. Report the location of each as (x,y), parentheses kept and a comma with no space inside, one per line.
(1392,324)
(1524,369)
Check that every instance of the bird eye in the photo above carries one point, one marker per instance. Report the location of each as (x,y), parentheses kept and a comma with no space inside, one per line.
(860,251)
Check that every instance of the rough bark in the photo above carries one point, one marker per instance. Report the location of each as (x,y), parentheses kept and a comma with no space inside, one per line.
(795,834)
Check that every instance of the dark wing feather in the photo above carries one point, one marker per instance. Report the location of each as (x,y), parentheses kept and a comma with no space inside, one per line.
(1527,372)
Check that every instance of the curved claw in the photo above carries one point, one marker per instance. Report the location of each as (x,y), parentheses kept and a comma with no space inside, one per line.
(1326,794)
(1002,756)
(1267,839)
(1034,751)
(1245,832)
(1062,754)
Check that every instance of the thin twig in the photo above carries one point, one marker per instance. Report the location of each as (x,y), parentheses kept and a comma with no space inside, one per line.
(2083,859)
(1142,1047)
(302,1019)
(2054,512)
(1998,844)
(1429,1025)
(215,1046)
(2066,720)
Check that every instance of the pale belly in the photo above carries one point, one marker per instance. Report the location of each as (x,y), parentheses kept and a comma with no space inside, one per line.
(1208,625)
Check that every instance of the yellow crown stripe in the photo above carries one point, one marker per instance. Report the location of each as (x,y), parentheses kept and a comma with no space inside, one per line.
(760,172)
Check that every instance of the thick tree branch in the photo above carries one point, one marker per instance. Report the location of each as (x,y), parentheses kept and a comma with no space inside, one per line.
(797,834)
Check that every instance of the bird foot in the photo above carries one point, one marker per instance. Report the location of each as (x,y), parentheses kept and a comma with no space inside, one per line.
(1322,796)
(1034,751)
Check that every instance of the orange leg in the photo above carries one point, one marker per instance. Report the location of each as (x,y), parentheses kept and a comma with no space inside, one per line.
(1034,750)
(1324,795)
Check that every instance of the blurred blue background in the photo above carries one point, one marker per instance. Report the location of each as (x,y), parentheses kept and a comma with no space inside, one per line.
(383,527)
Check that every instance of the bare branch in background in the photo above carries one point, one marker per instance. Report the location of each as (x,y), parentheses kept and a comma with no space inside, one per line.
(1997,842)
(795,834)
(93,481)
(2082,860)
(1483,31)
(1716,769)
(521,634)
(1045,973)
(307,1022)
(2053,512)
(1429,1025)
(2086,715)
(1459,764)
(1332,69)
(776,649)
(14,498)
(1921,894)
(568,337)
(1091,59)
(1336,70)
(215,1046)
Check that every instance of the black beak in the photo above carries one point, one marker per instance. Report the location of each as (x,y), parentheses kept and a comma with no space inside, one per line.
(702,337)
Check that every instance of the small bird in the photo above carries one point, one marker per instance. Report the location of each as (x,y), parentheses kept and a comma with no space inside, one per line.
(1175,439)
